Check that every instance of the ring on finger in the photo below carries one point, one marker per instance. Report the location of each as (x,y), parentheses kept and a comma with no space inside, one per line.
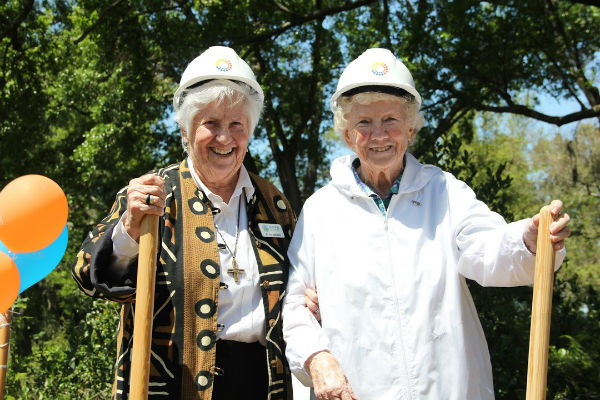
(149,199)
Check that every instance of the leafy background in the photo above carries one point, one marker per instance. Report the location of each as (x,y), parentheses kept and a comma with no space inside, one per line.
(85,99)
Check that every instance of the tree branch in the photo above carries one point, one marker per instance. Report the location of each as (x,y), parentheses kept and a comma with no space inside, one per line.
(427,142)
(307,113)
(437,103)
(314,94)
(272,114)
(528,112)
(161,9)
(285,9)
(386,24)
(565,80)
(302,20)
(574,57)
(98,22)
(131,18)
(12,29)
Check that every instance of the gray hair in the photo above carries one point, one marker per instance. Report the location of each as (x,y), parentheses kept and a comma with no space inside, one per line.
(410,107)
(220,90)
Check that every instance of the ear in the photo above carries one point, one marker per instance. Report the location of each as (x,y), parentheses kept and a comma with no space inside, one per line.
(184,135)
(411,135)
(348,137)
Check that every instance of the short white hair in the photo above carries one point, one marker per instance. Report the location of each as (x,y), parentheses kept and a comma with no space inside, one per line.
(410,107)
(219,91)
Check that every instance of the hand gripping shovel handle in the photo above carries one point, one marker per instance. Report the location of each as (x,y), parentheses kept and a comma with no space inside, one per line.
(144,309)
(541,310)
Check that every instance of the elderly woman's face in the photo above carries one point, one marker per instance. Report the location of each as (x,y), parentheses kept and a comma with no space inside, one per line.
(218,142)
(379,134)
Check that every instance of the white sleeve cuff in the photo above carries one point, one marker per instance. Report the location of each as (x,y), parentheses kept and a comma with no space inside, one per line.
(559,255)
(303,335)
(125,248)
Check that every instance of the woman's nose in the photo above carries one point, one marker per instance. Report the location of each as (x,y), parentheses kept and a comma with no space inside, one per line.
(378,130)
(223,134)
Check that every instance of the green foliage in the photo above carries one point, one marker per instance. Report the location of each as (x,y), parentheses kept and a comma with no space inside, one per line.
(85,94)
(574,350)
(61,347)
(570,168)
(515,168)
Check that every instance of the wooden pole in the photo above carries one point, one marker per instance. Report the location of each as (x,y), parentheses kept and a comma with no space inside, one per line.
(144,309)
(4,345)
(541,310)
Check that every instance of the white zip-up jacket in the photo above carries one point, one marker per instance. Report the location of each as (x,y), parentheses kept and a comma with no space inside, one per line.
(396,311)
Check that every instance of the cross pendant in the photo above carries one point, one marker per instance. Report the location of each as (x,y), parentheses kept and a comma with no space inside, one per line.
(235,271)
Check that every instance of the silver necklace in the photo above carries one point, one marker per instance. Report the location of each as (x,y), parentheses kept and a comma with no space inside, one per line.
(234,271)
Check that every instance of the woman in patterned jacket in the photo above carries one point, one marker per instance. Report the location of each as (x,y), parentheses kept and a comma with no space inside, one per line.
(222,266)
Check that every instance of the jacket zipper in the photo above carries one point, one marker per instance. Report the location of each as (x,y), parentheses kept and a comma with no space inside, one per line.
(400,348)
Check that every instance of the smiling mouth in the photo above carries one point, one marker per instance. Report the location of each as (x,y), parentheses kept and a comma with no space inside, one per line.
(381,149)
(222,152)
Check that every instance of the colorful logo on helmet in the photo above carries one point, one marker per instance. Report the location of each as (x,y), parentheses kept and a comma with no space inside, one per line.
(379,68)
(223,64)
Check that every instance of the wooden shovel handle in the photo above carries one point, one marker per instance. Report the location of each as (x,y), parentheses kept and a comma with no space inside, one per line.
(4,340)
(541,310)
(144,309)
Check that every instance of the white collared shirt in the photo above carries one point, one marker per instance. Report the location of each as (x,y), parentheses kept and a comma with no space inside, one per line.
(241,312)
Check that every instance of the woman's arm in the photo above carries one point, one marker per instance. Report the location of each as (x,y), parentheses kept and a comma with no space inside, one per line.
(98,269)
(489,250)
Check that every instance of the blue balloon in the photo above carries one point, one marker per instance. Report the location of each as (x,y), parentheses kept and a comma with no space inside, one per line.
(34,266)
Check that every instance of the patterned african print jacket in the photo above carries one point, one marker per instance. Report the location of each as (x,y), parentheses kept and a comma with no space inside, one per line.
(187,287)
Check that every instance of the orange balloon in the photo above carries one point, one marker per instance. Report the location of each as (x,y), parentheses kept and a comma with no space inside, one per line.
(33,213)
(10,282)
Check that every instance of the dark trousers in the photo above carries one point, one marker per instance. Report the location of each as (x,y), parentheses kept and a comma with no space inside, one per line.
(243,371)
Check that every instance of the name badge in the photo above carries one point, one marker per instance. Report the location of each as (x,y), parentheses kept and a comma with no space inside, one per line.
(271,230)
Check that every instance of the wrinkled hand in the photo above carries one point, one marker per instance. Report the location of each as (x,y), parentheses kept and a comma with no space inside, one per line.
(329,380)
(559,229)
(312,302)
(137,193)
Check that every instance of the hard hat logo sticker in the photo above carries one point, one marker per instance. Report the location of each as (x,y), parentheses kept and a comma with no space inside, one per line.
(223,64)
(379,68)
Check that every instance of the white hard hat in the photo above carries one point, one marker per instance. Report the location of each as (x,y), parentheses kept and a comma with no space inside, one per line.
(217,62)
(375,67)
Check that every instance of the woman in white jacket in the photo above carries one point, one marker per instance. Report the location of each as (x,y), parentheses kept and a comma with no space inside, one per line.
(388,243)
